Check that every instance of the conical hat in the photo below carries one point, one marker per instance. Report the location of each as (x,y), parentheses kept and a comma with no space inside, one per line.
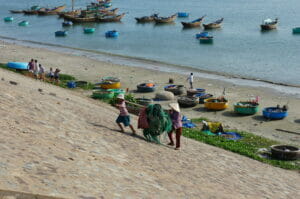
(175,107)
(120,96)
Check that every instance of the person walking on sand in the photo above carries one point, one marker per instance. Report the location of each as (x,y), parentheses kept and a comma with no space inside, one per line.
(56,75)
(191,80)
(124,115)
(41,72)
(36,69)
(176,125)
(51,74)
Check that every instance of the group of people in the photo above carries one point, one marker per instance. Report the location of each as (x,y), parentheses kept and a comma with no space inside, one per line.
(174,115)
(39,71)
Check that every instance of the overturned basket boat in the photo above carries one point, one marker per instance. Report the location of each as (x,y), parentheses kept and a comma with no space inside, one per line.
(246,108)
(186,101)
(215,104)
(175,89)
(192,92)
(109,83)
(274,113)
(285,152)
(203,96)
(146,87)
(144,101)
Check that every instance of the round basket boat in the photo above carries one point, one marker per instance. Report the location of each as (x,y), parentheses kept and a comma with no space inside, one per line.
(274,113)
(61,33)
(144,101)
(117,91)
(8,19)
(146,87)
(203,96)
(215,104)
(246,108)
(175,89)
(81,83)
(192,92)
(103,94)
(23,23)
(112,33)
(186,101)
(285,152)
(109,83)
(88,30)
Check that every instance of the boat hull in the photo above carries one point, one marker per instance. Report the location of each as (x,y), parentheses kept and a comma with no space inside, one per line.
(210,105)
(17,65)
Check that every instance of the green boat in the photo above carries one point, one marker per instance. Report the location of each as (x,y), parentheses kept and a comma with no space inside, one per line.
(89,30)
(117,91)
(23,23)
(296,30)
(8,19)
(206,40)
(246,108)
(103,94)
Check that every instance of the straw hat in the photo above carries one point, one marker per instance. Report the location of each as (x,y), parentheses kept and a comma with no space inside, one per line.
(175,107)
(120,96)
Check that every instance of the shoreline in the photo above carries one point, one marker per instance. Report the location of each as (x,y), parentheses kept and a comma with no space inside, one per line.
(157,65)
(91,69)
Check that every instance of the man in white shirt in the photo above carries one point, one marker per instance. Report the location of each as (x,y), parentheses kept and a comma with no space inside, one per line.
(191,80)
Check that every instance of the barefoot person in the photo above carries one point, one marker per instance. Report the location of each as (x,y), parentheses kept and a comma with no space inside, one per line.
(124,115)
(176,124)
(191,80)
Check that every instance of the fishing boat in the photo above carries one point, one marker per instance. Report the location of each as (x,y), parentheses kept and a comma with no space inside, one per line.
(192,24)
(16,11)
(146,19)
(89,30)
(53,11)
(17,65)
(111,12)
(275,113)
(72,13)
(246,108)
(23,23)
(109,83)
(165,19)
(67,23)
(182,14)
(296,30)
(61,33)
(175,89)
(269,24)
(112,33)
(205,38)
(187,101)
(192,92)
(146,87)
(214,25)
(203,96)
(33,10)
(110,18)
(216,103)
(79,19)
(8,19)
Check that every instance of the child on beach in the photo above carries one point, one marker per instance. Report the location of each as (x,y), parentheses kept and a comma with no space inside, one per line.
(56,75)
(176,125)
(124,115)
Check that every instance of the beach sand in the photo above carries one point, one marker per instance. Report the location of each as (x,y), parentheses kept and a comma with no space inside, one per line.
(88,69)
(57,142)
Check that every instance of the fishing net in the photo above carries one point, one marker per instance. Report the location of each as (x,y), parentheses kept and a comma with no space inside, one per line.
(159,123)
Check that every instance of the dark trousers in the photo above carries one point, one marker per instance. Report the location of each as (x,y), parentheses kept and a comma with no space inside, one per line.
(191,85)
(178,134)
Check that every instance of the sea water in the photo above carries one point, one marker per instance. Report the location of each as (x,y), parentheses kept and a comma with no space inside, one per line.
(240,48)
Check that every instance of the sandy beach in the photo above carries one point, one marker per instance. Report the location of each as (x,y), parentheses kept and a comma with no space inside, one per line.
(92,70)
(57,142)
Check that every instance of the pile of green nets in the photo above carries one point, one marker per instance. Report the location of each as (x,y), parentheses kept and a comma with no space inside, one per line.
(159,123)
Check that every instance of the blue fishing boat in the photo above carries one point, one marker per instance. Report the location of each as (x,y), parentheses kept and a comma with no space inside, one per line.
(146,87)
(89,30)
(8,19)
(61,33)
(275,113)
(182,14)
(17,65)
(112,33)
(67,23)
(205,38)
(23,23)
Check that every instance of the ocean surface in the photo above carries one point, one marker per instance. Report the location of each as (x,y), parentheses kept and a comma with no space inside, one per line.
(240,48)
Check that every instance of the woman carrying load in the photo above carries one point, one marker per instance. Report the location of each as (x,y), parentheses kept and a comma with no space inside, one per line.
(176,124)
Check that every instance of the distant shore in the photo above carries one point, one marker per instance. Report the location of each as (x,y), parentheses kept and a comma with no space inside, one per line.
(91,67)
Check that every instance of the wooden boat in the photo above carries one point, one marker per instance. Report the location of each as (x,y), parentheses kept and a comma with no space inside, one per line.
(146,19)
(213,25)
(246,108)
(296,30)
(33,10)
(175,89)
(111,12)
(73,13)
(216,103)
(53,11)
(78,19)
(165,19)
(269,24)
(110,18)
(276,113)
(146,87)
(16,11)
(192,24)
(187,101)
(109,83)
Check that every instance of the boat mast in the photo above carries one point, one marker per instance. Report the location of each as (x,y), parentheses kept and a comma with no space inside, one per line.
(73,5)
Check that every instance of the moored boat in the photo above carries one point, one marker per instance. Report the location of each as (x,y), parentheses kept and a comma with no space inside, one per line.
(53,11)
(169,19)
(269,24)
(109,83)
(175,89)
(8,19)
(23,23)
(192,24)
(216,103)
(214,25)
(67,23)
(110,18)
(61,33)
(89,30)
(296,30)
(146,19)
(182,14)
(16,11)
(275,113)
(246,108)
(33,10)
(112,33)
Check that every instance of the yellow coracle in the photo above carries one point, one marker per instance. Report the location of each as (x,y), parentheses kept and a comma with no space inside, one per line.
(112,85)
(211,104)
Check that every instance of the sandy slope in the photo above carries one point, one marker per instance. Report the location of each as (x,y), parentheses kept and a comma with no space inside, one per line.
(58,143)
